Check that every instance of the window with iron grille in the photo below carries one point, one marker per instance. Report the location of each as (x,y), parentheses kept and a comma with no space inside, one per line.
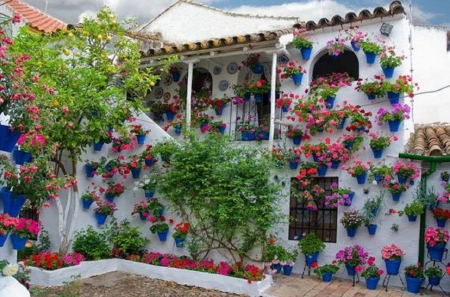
(322,222)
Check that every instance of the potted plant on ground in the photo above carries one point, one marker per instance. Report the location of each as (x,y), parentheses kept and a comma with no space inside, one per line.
(352,256)
(434,274)
(372,274)
(280,257)
(414,278)
(326,271)
(351,220)
(311,245)
(392,256)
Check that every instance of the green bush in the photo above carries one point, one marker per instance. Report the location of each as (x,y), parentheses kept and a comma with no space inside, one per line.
(92,244)
(128,240)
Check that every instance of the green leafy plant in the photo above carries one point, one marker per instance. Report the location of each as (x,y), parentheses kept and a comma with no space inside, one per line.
(127,240)
(414,271)
(311,243)
(434,271)
(389,59)
(369,46)
(414,208)
(372,207)
(372,271)
(92,244)
(321,270)
(301,40)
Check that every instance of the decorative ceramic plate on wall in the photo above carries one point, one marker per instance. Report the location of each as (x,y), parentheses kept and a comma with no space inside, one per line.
(223,85)
(217,70)
(159,92)
(283,59)
(166,96)
(168,80)
(232,68)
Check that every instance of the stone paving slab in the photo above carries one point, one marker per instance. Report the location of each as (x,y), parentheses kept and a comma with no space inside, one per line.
(309,286)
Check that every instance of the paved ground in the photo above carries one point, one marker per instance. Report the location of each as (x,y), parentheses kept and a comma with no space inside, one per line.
(295,286)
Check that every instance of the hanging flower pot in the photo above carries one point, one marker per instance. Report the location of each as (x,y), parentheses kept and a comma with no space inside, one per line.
(388,71)
(258,69)
(377,153)
(394,125)
(98,146)
(293,164)
(162,235)
(361,179)
(21,157)
(109,197)
(135,172)
(101,218)
(341,123)
(149,193)
(394,98)
(258,97)
(143,216)
(140,139)
(370,57)
(247,96)
(306,53)
(8,138)
(297,140)
(441,222)
(355,45)
(176,76)
(335,164)
(349,200)
(329,102)
(90,171)
(18,243)
(322,170)
(219,109)
(179,242)
(285,108)
(396,196)
(412,218)
(87,203)
(170,115)
(178,130)
(372,228)
(149,162)
(297,78)
(12,203)
(351,232)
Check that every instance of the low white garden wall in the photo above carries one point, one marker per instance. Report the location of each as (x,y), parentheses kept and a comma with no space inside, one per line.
(87,269)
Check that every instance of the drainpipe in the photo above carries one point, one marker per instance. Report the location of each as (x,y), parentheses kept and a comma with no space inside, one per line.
(423,187)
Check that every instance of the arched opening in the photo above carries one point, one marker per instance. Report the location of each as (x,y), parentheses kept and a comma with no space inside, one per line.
(201,86)
(345,62)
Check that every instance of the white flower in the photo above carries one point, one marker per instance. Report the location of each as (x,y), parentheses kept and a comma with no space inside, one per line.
(10,269)
(135,189)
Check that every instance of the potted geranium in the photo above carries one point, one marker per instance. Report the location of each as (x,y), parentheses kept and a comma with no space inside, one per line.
(295,133)
(352,256)
(302,43)
(359,170)
(434,274)
(89,197)
(252,62)
(441,216)
(311,245)
(339,196)
(360,120)
(285,102)
(176,73)
(326,271)
(218,104)
(258,88)
(414,278)
(403,84)
(312,197)
(393,117)
(292,156)
(392,256)
(336,46)
(436,240)
(159,227)
(380,142)
(406,171)
(6,225)
(294,71)
(396,189)
(142,208)
(335,154)
(388,61)
(381,174)
(22,230)
(149,156)
(181,231)
(373,89)
(355,36)
(327,86)
(307,170)
(371,48)
(280,257)
(113,190)
(352,142)
(351,220)
(372,274)
(139,132)
(134,164)
(412,210)
(103,210)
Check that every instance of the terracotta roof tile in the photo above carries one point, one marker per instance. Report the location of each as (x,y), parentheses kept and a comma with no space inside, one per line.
(430,140)
(35,18)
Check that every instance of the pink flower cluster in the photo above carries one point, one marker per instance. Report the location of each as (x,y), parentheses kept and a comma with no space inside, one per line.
(409,170)
(358,168)
(352,255)
(392,252)
(26,227)
(435,236)
(73,259)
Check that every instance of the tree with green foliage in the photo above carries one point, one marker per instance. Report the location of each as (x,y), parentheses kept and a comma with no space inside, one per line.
(64,91)
(225,193)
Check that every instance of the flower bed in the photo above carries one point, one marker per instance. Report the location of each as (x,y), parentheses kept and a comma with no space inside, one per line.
(186,277)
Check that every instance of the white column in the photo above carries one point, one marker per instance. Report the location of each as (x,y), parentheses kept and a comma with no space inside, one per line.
(273,82)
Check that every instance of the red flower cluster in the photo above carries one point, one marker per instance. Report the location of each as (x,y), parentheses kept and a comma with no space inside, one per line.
(441,214)
(53,261)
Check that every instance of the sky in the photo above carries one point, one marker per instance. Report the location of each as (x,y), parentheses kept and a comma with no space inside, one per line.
(424,12)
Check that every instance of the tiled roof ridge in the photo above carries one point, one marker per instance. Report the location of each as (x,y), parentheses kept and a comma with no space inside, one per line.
(431,139)
(35,17)
(233,14)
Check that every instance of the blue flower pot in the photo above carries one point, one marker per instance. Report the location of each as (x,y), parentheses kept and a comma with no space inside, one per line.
(285,108)
(277,267)
(335,164)
(327,276)
(258,69)
(412,218)
(392,266)
(247,96)
(18,243)
(350,269)
(341,123)
(413,285)
(322,170)
(349,200)
(351,232)
(394,98)
(371,96)
(361,178)
(101,218)
(176,77)
(258,97)
(396,196)
(149,162)
(329,102)
(297,78)
(372,282)
(315,158)
(441,223)
(149,193)
(142,216)
(394,125)
(219,110)
(349,144)
(293,165)
(311,258)
(377,153)
(370,58)
(297,140)
(436,252)
(135,172)
(355,45)
(287,269)
(21,157)
(170,115)
(434,281)
(306,53)
(12,203)
(177,130)
(401,179)
(109,197)
(90,171)
(140,139)
(163,235)
(98,146)
(388,71)
(8,138)
(372,228)
(179,242)
(3,238)
(87,203)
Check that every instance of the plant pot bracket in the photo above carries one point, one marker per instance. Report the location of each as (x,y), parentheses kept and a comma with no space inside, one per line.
(387,279)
